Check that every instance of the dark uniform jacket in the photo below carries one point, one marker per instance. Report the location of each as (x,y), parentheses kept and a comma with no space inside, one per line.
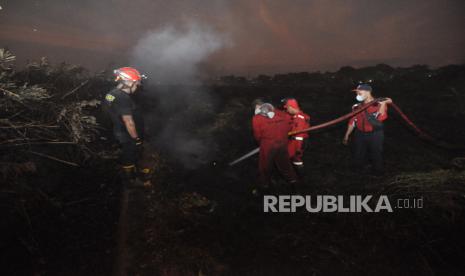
(118,103)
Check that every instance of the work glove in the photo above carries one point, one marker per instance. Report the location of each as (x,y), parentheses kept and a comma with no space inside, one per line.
(139,142)
(139,146)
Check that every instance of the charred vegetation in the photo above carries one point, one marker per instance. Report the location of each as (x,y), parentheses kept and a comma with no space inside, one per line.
(60,186)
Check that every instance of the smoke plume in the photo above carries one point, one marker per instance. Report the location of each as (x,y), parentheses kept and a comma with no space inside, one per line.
(171,57)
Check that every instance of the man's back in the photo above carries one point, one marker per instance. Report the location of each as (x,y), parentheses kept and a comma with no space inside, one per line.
(274,129)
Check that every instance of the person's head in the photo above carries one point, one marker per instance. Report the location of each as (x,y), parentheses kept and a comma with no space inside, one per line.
(291,106)
(257,103)
(266,110)
(363,92)
(128,79)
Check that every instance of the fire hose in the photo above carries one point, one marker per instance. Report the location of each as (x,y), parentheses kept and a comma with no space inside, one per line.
(362,108)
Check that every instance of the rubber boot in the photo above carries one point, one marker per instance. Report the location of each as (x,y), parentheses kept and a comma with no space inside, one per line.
(129,177)
(295,187)
(128,172)
(146,177)
(300,169)
(301,173)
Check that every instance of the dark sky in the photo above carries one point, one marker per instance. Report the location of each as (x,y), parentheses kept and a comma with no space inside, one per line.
(266,36)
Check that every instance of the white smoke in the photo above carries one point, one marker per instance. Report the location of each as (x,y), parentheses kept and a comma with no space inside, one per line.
(171,55)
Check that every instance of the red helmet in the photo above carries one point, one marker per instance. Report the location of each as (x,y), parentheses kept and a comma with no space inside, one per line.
(128,74)
(291,102)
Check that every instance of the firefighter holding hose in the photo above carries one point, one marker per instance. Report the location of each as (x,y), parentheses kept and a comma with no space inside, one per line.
(368,130)
(128,125)
(270,129)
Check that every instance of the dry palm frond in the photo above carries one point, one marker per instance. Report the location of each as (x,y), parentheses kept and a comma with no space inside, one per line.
(6,56)
(33,93)
(26,93)
(81,126)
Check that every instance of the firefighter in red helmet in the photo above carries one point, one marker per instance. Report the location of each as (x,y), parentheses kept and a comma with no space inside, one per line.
(127,124)
(298,142)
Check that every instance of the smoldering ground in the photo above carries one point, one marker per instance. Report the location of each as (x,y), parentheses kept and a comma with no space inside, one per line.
(177,103)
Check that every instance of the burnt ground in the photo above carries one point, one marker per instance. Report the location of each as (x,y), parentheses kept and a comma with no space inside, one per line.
(200,217)
(60,221)
(205,221)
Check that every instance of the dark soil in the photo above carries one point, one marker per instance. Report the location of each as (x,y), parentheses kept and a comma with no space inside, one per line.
(203,220)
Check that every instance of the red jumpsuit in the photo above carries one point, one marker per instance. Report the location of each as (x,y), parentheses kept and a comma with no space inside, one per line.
(272,135)
(296,145)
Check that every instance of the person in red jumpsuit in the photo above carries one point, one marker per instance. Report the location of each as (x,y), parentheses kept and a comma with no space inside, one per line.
(270,129)
(297,143)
